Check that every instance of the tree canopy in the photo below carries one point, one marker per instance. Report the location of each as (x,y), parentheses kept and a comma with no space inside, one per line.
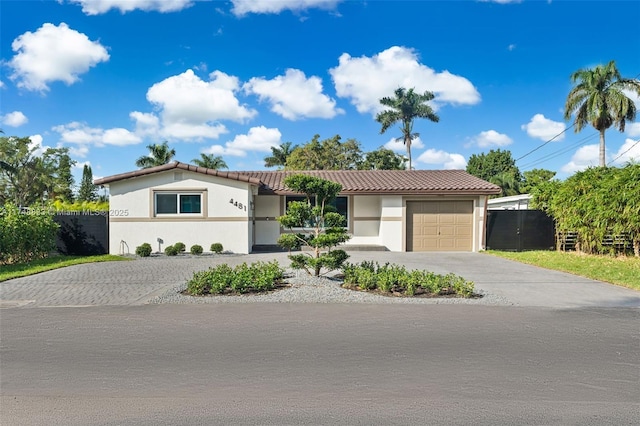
(210,161)
(486,166)
(27,177)
(279,155)
(404,108)
(159,154)
(88,191)
(599,99)
(326,154)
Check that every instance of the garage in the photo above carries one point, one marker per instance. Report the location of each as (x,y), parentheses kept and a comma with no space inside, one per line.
(440,225)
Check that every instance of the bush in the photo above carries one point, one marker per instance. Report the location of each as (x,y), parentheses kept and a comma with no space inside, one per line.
(144,250)
(171,251)
(369,276)
(196,249)
(216,248)
(25,235)
(257,277)
(180,247)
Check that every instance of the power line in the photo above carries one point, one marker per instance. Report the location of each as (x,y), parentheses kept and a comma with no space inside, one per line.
(550,140)
(559,152)
(630,148)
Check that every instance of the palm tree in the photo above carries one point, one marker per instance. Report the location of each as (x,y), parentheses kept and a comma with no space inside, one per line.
(279,155)
(406,106)
(508,182)
(159,154)
(210,161)
(598,99)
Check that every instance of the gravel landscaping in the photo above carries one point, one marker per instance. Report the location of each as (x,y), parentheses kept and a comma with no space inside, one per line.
(307,289)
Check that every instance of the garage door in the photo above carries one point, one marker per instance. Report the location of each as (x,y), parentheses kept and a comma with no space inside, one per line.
(439,225)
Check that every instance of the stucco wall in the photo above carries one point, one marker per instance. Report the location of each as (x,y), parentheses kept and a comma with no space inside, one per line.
(267,228)
(133,220)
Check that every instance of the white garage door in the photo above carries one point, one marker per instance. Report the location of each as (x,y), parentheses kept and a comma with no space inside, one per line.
(439,225)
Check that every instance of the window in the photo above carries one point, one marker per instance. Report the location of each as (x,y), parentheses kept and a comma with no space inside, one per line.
(340,203)
(172,203)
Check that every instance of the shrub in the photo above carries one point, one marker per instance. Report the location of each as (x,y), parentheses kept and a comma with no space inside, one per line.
(171,251)
(216,248)
(369,276)
(180,247)
(144,250)
(25,235)
(196,249)
(257,277)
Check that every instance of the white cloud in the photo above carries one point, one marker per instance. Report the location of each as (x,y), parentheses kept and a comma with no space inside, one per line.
(83,136)
(36,142)
(14,119)
(294,96)
(259,139)
(544,129)
(399,146)
(511,47)
(53,53)
(365,80)
(629,151)
(586,156)
(447,160)
(2,85)
(190,107)
(147,124)
(244,7)
(491,138)
(96,7)
(632,129)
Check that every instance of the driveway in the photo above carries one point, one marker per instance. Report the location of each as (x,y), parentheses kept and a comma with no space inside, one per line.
(140,281)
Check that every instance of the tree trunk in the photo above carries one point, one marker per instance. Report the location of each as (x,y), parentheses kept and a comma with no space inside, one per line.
(407,142)
(636,247)
(602,149)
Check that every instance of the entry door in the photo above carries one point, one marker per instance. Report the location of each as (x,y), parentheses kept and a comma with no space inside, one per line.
(439,225)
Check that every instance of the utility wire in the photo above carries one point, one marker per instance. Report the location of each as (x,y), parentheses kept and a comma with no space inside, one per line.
(550,140)
(630,148)
(559,152)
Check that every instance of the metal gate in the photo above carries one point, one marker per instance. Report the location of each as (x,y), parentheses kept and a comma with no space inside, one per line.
(520,230)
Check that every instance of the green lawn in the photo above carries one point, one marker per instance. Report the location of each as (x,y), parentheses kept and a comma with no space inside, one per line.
(8,272)
(623,271)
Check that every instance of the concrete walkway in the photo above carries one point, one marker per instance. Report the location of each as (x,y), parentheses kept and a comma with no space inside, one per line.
(138,281)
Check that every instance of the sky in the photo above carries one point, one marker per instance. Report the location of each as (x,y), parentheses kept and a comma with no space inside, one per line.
(106,78)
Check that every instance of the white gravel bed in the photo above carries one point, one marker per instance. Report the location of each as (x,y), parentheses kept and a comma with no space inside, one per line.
(307,289)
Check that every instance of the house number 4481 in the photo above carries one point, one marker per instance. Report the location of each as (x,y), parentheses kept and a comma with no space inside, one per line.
(238,205)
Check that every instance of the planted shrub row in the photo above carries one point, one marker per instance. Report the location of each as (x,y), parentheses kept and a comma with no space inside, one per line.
(144,250)
(223,279)
(394,279)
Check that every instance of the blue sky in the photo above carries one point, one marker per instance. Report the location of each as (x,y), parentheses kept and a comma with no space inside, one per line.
(233,78)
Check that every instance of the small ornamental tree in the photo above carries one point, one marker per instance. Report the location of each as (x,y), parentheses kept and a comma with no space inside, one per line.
(314,224)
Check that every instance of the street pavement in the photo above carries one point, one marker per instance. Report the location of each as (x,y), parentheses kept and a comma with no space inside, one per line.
(82,346)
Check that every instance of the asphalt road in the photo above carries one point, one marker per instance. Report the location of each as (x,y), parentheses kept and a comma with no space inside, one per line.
(319,364)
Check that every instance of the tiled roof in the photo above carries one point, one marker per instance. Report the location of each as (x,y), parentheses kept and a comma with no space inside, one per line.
(384,181)
(177,165)
(414,182)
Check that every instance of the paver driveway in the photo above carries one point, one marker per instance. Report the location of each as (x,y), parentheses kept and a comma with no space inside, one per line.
(137,282)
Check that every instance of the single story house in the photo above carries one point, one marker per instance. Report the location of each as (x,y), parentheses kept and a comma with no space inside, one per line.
(397,210)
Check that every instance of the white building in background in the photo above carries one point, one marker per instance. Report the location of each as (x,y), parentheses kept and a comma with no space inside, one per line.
(514,202)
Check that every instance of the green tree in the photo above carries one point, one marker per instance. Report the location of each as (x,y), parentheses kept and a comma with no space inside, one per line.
(313,224)
(383,159)
(507,182)
(210,161)
(327,154)
(88,191)
(598,98)
(495,162)
(405,107)
(279,155)
(159,154)
(535,177)
(27,178)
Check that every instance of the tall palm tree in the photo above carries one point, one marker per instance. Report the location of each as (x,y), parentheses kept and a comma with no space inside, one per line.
(279,155)
(159,154)
(598,99)
(405,107)
(210,161)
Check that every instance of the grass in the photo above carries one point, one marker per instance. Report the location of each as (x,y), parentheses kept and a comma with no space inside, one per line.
(8,272)
(620,270)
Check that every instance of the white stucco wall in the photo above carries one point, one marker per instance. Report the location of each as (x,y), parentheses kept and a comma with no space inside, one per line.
(365,220)
(134,222)
(267,228)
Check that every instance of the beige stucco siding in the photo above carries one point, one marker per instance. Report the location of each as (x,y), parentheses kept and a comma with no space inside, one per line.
(225,213)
